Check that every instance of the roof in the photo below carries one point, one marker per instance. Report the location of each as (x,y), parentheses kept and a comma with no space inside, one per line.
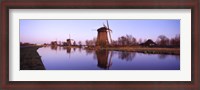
(149,42)
(103,29)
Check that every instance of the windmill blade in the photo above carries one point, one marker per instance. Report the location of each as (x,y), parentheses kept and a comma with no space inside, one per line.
(109,30)
(104,25)
(72,39)
(110,37)
(107,24)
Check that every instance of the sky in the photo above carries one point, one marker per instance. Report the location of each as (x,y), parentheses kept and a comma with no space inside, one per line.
(45,31)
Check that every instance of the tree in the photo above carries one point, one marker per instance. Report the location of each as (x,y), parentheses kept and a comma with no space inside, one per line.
(127,40)
(60,43)
(115,43)
(122,41)
(130,40)
(162,40)
(175,41)
(87,42)
(134,41)
(80,43)
(90,42)
(140,41)
(94,40)
(74,43)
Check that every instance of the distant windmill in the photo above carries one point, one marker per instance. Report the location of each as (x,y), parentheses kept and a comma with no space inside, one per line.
(69,41)
(102,37)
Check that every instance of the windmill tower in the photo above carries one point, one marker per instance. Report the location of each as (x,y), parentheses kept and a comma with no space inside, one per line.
(69,41)
(102,36)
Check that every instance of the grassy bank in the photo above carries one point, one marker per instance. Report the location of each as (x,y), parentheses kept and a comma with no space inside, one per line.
(71,46)
(147,50)
(30,59)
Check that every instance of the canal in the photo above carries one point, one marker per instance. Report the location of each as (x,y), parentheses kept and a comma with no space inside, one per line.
(63,58)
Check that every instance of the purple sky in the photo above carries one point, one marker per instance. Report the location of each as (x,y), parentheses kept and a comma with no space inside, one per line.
(45,31)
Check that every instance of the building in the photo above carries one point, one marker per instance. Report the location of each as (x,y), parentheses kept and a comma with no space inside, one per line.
(149,43)
(69,42)
(102,37)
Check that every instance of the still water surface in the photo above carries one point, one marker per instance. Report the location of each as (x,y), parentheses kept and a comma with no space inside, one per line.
(60,58)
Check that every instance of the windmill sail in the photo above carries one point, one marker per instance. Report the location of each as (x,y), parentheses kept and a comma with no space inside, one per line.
(109,32)
(104,25)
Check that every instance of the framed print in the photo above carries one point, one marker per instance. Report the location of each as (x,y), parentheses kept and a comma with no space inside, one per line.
(100,44)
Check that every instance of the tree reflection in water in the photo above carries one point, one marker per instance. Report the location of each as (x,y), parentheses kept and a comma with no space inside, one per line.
(79,49)
(128,56)
(74,49)
(53,47)
(59,48)
(162,56)
(88,52)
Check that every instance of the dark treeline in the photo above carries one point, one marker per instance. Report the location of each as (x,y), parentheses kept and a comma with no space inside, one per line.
(91,42)
(165,41)
(26,44)
(129,40)
(126,40)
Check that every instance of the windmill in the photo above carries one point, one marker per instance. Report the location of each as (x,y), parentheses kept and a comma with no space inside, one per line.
(102,37)
(69,41)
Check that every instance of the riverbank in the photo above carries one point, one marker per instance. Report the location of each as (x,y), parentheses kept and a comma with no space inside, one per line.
(146,50)
(30,59)
(71,46)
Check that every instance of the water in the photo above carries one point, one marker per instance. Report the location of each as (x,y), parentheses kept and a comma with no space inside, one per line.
(60,58)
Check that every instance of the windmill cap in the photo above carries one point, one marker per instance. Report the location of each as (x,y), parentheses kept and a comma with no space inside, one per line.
(102,29)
